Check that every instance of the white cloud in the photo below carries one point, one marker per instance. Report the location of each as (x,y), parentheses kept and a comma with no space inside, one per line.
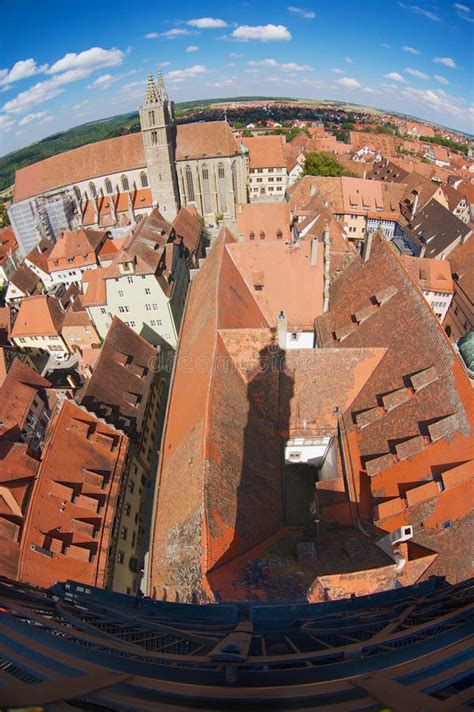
(47,119)
(103,81)
(90,59)
(80,104)
(164,64)
(179,75)
(307,14)
(337,71)
(204,23)
(349,82)
(420,11)
(6,123)
(464,12)
(348,60)
(43,91)
(32,117)
(169,34)
(384,44)
(439,78)
(416,73)
(435,99)
(21,70)
(192,48)
(265,33)
(224,83)
(412,50)
(287,67)
(395,77)
(447,61)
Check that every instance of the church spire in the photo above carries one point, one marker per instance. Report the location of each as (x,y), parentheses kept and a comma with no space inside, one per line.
(151,96)
(160,85)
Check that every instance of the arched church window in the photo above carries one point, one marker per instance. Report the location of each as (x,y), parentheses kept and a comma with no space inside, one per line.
(151,118)
(234,181)
(125,185)
(189,184)
(221,187)
(154,138)
(93,190)
(144,179)
(108,186)
(206,190)
(77,191)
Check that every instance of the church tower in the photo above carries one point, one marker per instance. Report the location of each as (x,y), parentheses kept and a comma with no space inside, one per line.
(159,139)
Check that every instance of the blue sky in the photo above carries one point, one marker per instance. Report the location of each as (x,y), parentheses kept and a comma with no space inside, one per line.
(62,63)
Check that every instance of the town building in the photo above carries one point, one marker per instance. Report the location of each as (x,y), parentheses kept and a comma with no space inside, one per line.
(23,282)
(336,434)
(267,171)
(434,279)
(457,202)
(438,155)
(78,330)
(358,203)
(24,406)
(37,261)
(125,390)
(429,231)
(116,182)
(264,221)
(73,254)
(67,530)
(460,318)
(9,257)
(145,285)
(38,326)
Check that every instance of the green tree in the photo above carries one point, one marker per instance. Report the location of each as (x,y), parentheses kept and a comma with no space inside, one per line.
(322,164)
(246,133)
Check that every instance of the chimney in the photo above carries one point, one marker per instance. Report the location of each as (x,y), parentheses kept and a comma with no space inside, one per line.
(422,250)
(313,189)
(314,252)
(414,204)
(282,330)
(368,245)
(365,174)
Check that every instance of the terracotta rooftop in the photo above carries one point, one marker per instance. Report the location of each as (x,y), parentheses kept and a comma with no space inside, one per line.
(8,243)
(25,280)
(271,219)
(452,195)
(69,522)
(17,475)
(94,286)
(20,388)
(205,140)
(81,243)
(119,387)
(266,266)
(266,151)
(429,274)
(39,255)
(461,260)
(415,413)
(436,228)
(188,228)
(39,316)
(103,158)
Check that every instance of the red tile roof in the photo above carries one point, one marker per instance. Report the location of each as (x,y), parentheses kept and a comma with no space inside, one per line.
(205,140)
(266,151)
(271,219)
(69,522)
(19,390)
(39,316)
(104,158)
